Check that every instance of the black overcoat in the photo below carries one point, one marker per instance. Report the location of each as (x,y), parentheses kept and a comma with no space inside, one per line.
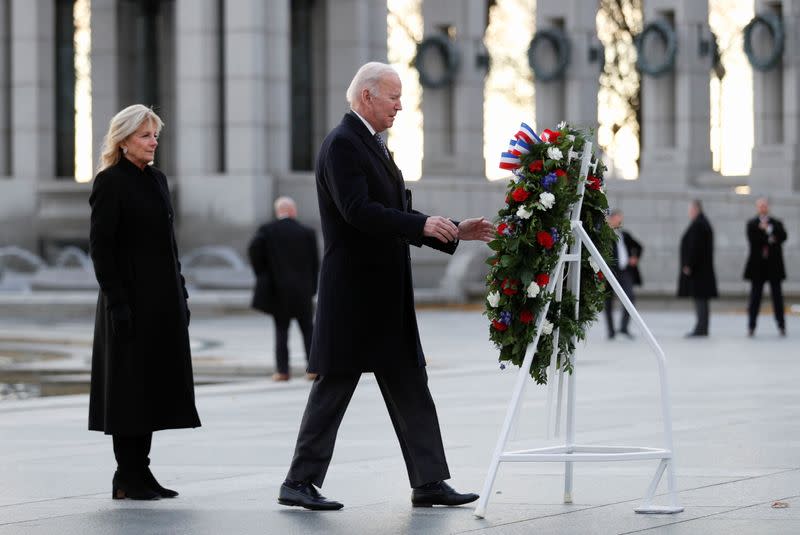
(697,252)
(142,382)
(285,260)
(765,261)
(365,317)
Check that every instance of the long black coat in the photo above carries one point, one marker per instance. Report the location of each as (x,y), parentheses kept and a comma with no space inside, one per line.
(285,259)
(365,309)
(144,382)
(697,252)
(765,261)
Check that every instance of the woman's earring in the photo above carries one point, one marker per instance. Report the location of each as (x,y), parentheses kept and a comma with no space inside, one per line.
(124,150)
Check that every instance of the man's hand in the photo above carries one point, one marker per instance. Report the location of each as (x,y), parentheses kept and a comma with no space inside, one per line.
(632,261)
(440,228)
(687,271)
(476,228)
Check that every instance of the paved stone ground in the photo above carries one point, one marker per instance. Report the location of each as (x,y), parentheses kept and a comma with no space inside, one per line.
(735,407)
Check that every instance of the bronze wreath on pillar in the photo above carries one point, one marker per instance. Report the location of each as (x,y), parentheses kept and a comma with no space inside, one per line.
(448,53)
(560,42)
(664,31)
(774,25)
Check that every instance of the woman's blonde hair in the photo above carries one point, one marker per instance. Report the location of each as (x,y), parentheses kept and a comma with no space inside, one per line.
(122,125)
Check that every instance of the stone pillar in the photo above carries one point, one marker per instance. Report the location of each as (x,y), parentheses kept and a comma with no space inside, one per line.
(5,92)
(574,97)
(199,144)
(676,105)
(105,69)
(32,89)
(776,93)
(453,116)
(355,34)
(225,208)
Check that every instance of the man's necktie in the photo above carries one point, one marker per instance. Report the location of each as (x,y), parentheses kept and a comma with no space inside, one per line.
(382,145)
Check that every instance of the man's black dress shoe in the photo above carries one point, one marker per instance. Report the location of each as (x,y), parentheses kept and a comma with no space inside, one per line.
(627,335)
(305,495)
(439,493)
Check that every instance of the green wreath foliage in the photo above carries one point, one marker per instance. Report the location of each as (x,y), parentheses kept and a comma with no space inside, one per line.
(524,259)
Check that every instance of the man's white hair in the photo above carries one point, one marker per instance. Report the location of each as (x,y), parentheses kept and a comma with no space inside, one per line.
(368,77)
(282,203)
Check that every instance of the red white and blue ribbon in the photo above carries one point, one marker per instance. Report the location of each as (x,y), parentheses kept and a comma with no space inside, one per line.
(517,147)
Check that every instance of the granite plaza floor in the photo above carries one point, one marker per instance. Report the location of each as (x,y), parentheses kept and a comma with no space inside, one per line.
(735,414)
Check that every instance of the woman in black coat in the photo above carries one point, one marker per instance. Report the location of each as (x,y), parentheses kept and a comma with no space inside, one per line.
(141,364)
(697,278)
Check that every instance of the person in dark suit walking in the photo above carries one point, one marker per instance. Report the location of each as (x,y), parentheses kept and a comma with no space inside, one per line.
(766,235)
(284,257)
(697,277)
(625,256)
(365,319)
(141,362)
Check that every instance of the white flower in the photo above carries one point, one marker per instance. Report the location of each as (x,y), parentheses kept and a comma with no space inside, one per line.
(594,265)
(494,299)
(524,213)
(547,327)
(554,153)
(533,289)
(561,125)
(546,201)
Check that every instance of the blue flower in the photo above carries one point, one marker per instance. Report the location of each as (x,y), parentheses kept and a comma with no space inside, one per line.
(554,233)
(502,366)
(549,180)
(505,317)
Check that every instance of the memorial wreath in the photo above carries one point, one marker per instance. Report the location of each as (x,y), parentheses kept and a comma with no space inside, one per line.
(533,227)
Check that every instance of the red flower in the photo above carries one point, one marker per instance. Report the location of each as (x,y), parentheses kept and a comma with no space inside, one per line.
(509,286)
(526,316)
(535,165)
(508,199)
(593,182)
(550,136)
(560,173)
(501,228)
(545,239)
(600,275)
(542,279)
(499,325)
(520,194)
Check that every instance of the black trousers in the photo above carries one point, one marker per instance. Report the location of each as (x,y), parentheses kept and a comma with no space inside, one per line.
(132,452)
(413,415)
(625,279)
(754,305)
(701,311)
(282,321)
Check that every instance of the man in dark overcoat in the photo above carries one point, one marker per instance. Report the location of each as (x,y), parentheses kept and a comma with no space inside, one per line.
(765,235)
(365,319)
(624,264)
(697,277)
(284,257)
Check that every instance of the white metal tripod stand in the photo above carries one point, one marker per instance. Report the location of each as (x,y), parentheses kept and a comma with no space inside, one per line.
(571,452)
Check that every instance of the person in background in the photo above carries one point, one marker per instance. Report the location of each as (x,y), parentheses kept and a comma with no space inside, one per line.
(697,278)
(284,257)
(625,256)
(142,377)
(765,235)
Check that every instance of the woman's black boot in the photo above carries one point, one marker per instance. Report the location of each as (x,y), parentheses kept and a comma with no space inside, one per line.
(132,485)
(153,483)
